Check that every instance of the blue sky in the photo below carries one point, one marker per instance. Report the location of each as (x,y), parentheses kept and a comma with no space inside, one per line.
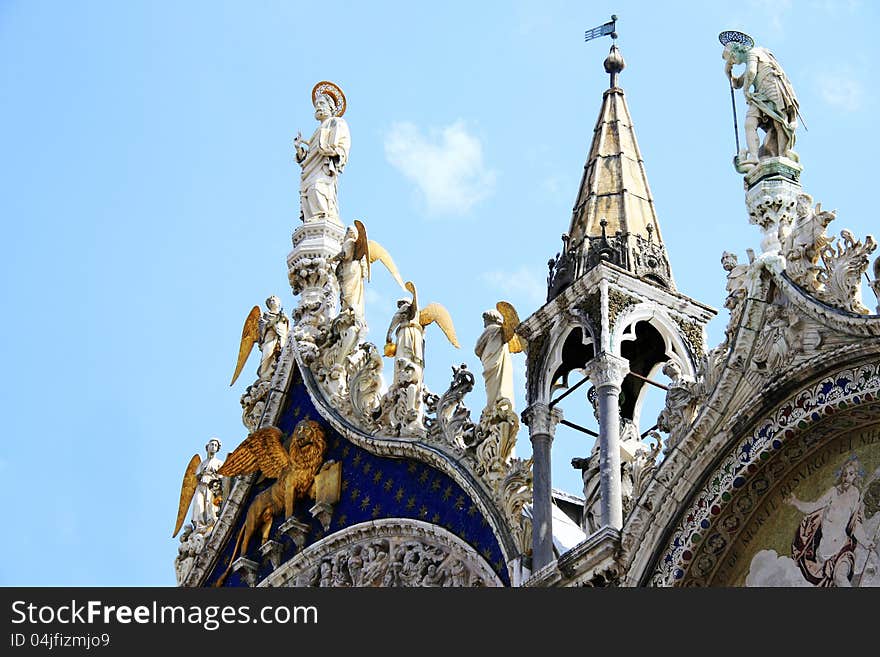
(148,193)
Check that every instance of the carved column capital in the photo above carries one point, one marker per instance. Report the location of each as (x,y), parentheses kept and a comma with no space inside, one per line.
(541,418)
(607,370)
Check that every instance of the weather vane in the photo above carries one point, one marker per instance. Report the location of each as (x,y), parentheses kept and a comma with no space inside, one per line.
(602,30)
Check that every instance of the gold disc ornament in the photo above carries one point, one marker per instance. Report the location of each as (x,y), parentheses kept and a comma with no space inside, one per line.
(326,88)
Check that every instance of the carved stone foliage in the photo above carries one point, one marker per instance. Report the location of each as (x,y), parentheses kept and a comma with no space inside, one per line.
(191,545)
(618,303)
(693,333)
(449,421)
(253,403)
(387,553)
(313,278)
(838,391)
(875,284)
(771,205)
(844,267)
(515,492)
(494,440)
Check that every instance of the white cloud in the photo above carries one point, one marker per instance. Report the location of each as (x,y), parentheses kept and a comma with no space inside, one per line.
(770,569)
(447,166)
(523,284)
(841,91)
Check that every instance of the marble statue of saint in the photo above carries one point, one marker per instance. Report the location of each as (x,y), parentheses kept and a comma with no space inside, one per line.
(772,103)
(324,155)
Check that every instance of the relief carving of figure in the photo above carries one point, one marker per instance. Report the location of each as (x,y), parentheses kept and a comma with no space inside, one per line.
(324,155)
(772,103)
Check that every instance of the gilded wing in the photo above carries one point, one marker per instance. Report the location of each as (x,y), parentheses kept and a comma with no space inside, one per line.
(434,312)
(377,252)
(250,334)
(511,321)
(362,245)
(262,450)
(187,490)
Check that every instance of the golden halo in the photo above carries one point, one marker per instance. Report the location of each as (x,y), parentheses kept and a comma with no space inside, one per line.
(327,88)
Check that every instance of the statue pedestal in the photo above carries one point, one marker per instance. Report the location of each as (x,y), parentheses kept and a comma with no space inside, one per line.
(311,273)
(248,570)
(296,530)
(323,511)
(772,190)
(271,551)
(773,168)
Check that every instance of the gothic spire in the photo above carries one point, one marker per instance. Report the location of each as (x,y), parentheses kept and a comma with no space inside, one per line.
(614,217)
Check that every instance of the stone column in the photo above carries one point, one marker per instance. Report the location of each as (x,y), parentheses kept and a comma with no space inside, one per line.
(542,421)
(606,373)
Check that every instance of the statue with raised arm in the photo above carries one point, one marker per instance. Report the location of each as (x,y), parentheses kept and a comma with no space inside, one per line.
(324,155)
(772,103)
(401,407)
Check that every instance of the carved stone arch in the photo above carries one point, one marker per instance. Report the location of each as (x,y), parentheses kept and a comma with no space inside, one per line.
(646,336)
(392,552)
(676,347)
(560,344)
(745,486)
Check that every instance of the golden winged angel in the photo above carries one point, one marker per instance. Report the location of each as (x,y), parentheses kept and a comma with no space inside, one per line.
(268,330)
(408,326)
(294,470)
(200,488)
(494,347)
(354,260)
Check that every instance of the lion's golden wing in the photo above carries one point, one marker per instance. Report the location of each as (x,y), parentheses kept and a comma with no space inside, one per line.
(250,334)
(434,312)
(262,450)
(511,321)
(378,252)
(187,490)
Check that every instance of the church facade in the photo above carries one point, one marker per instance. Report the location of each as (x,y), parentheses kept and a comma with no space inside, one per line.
(763,468)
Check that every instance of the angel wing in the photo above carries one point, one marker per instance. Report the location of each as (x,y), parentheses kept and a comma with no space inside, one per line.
(377,252)
(250,334)
(511,321)
(362,245)
(187,490)
(434,312)
(262,450)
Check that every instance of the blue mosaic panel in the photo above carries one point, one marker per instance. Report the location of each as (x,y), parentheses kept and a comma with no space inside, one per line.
(373,487)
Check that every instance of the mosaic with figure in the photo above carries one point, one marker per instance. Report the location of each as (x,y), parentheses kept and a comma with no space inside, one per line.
(372,488)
